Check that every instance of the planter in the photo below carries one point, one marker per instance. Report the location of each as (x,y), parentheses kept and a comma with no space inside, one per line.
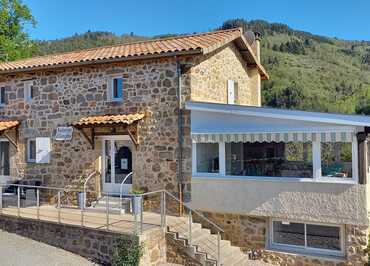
(80,200)
(136,204)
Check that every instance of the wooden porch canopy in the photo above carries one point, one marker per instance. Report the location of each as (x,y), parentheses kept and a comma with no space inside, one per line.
(8,125)
(90,126)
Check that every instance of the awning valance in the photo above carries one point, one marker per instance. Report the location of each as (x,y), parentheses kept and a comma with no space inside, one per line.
(273,137)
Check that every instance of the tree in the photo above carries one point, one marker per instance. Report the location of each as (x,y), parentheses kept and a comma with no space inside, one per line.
(14,41)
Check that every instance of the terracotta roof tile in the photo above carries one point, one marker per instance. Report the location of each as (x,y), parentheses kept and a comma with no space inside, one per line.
(108,120)
(202,42)
(4,125)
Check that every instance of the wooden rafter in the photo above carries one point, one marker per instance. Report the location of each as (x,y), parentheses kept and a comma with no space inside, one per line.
(13,141)
(91,138)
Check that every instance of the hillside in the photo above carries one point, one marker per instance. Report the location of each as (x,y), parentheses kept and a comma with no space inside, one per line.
(307,71)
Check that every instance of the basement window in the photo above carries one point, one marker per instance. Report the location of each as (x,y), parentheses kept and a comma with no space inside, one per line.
(309,238)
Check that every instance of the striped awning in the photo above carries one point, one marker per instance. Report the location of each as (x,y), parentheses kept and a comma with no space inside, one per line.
(273,137)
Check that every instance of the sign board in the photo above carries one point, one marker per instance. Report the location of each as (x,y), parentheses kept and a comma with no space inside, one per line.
(64,133)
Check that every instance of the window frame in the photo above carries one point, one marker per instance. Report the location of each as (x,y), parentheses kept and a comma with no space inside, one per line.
(111,88)
(10,167)
(316,165)
(2,100)
(28,151)
(305,249)
(29,91)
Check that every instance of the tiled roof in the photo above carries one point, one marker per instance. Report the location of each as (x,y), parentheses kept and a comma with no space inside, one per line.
(201,43)
(4,125)
(102,120)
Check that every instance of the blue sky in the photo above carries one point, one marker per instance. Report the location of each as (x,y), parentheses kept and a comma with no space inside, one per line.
(61,18)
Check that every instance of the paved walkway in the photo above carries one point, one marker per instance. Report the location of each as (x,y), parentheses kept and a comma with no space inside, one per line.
(19,251)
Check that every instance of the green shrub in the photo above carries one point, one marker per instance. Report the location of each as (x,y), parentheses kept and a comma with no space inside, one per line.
(128,252)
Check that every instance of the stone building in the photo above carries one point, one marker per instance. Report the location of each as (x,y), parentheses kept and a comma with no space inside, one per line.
(183,114)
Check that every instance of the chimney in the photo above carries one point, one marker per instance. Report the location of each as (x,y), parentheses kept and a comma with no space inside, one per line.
(256,46)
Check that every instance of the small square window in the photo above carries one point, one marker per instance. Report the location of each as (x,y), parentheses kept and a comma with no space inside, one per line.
(2,95)
(29,91)
(116,89)
(31,150)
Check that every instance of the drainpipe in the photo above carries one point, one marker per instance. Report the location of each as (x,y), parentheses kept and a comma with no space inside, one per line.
(180,68)
(179,131)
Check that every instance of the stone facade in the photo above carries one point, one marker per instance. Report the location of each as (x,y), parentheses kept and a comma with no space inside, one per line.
(250,234)
(209,78)
(63,96)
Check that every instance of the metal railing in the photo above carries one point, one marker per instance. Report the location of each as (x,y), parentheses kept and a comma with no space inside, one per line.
(121,189)
(158,208)
(85,188)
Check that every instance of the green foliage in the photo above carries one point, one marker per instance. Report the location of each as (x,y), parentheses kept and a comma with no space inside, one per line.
(14,41)
(311,72)
(84,41)
(128,252)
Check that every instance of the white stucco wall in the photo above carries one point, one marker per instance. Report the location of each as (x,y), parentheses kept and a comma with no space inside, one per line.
(306,201)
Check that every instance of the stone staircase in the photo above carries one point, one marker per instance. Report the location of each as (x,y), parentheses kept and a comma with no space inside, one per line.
(114,204)
(203,245)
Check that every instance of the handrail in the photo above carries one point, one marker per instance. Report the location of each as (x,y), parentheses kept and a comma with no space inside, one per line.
(121,189)
(85,187)
(194,211)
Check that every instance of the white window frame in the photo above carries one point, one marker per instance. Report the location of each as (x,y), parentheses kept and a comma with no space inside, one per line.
(2,101)
(28,87)
(316,165)
(28,150)
(305,249)
(111,88)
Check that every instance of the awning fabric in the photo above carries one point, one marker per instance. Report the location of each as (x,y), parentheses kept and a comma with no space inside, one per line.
(273,137)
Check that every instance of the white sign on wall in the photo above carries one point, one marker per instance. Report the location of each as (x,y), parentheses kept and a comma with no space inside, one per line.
(43,150)
(64,133)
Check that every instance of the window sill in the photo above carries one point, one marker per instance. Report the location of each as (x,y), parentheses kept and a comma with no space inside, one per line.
(337,258)
(118,100)
(274,179)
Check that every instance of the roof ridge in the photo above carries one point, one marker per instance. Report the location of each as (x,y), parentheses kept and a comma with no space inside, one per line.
(123,44)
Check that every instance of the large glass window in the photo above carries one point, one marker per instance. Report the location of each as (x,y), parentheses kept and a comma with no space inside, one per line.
(336,159)
(207,158)
(310,237)
(291,159)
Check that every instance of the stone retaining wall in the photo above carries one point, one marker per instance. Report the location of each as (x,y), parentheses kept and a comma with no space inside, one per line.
(97,245)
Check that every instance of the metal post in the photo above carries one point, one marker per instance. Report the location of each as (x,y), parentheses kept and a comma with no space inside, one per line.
(19,201)
(141,214)
(190,224)
(1,199)
(107,212)
(218,248)
(59,194)
(38,203)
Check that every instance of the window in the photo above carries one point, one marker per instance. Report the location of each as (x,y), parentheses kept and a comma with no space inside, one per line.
(29,91)
(4,158)
(116,89)
(2,95)
(232,92)
(207,158)
(336,159)
(312,238)
(31,150)
(272,159)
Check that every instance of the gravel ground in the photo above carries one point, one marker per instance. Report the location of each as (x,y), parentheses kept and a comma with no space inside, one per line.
(19,251)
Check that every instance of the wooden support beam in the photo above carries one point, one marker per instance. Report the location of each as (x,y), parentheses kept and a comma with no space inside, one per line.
(89,139)
(12,141)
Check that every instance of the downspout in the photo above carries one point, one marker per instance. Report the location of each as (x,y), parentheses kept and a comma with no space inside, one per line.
(179,136)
